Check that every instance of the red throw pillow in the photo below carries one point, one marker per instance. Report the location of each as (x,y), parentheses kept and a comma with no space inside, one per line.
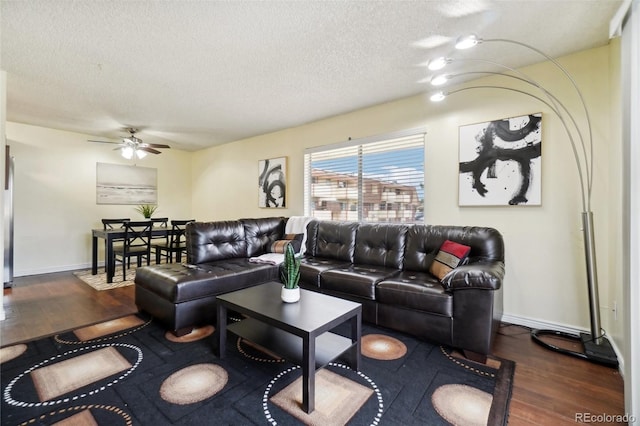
(449,257)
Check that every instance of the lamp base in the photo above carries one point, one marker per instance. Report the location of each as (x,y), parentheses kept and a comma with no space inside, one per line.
(601,353)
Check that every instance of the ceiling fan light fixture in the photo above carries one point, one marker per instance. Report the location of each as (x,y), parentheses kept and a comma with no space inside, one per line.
(132,147)
(127,152)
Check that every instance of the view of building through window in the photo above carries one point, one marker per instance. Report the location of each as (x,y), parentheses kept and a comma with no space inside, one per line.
(377,181)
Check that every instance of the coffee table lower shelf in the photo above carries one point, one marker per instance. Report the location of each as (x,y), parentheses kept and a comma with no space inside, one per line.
(329,345)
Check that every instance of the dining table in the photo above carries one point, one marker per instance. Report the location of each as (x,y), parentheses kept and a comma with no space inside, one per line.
(111,235)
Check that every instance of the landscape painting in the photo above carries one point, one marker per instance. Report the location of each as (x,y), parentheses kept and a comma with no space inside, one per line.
(121,184)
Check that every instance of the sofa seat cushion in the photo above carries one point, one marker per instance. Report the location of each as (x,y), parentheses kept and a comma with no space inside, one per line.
(182,282)
(415,290)
(312,267)
(356,280)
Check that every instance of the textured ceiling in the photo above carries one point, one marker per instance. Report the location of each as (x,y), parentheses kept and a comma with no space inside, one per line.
(199,73)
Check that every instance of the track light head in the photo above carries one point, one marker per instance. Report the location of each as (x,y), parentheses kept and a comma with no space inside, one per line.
(438,63)
(467,42)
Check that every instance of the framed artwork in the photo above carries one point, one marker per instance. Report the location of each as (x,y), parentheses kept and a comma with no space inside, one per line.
(120,184)
(272,183)
(500,162)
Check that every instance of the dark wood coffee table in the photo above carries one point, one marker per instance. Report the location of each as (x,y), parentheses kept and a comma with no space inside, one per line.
(299,332)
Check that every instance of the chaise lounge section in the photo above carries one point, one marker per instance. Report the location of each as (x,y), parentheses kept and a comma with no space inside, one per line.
(182,296)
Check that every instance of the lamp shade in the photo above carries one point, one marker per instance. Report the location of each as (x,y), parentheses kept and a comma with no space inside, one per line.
(127,152)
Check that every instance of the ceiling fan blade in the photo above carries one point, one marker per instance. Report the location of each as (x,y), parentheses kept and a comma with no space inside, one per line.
(151,150)
(156,145)
(89,140)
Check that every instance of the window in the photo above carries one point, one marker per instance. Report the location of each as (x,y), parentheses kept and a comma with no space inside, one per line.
(379,179)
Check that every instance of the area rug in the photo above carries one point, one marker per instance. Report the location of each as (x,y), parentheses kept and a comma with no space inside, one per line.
(99,281)
(131,371)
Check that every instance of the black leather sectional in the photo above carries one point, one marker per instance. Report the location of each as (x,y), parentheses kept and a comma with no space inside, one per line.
(383,266)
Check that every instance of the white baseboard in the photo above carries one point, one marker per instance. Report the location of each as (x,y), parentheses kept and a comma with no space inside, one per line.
(546,325)
(52,269)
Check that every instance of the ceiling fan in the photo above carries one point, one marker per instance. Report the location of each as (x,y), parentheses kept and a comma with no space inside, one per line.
(132,145)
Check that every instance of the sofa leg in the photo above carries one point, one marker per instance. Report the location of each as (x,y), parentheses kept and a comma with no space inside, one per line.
(182,331)
(475,356)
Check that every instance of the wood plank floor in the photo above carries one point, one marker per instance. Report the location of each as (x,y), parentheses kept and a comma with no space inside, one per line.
(549,388)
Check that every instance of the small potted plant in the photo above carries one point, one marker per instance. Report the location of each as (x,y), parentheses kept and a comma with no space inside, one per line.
(290,276)
(146,210)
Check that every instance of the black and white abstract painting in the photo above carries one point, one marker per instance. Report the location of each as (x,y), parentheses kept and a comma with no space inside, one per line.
(272,183)
(500,162)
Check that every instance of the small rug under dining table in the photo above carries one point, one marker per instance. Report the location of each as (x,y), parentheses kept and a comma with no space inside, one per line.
(131,371)
(99,281)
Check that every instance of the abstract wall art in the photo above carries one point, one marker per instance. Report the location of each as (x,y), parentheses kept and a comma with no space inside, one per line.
(272,183)
(500,162)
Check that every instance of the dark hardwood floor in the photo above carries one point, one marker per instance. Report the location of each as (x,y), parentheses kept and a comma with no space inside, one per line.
(549,388)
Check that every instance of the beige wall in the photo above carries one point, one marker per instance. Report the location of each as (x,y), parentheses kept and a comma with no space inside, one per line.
(545,279)
(55,195)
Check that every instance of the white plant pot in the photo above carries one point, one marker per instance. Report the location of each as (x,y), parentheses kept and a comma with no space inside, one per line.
(290,295)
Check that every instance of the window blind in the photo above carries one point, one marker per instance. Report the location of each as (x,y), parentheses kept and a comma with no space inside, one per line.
(377,179)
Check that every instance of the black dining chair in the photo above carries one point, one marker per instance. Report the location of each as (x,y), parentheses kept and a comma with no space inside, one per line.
(137,243)
(159,223)
(112,224)
(175,242)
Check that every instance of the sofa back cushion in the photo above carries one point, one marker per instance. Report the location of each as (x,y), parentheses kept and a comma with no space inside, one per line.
(311,244)
(261,233)
(380,244)
(335,240)
(424,241)
(210,241)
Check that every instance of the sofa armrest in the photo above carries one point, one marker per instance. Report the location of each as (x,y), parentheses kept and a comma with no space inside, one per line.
(480,275)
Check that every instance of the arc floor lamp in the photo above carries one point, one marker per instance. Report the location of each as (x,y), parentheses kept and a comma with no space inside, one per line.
(596,347)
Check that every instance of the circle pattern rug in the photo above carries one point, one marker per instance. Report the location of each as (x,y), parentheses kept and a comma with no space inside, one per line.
(462,404)
(384,348)
(12,352)
(194,384)
(195,334)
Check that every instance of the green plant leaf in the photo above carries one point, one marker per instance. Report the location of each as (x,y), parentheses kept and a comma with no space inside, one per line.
(291,268)
(146,210)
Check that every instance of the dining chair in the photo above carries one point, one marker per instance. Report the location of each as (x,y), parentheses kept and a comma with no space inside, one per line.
(112,224)
(159,223)
(137,243)
(175,242)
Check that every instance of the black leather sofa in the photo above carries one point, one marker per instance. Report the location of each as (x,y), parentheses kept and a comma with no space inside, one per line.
(385,267)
